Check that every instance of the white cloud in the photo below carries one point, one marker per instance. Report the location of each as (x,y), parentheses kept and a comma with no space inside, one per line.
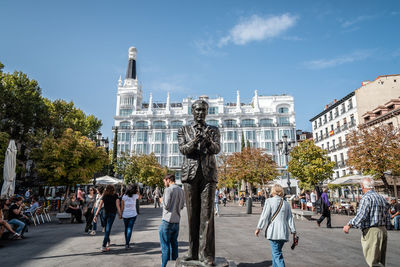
(351,22)
(328,63)
(257,28)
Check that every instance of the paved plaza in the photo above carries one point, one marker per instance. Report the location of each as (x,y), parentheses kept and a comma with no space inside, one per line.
(66,244)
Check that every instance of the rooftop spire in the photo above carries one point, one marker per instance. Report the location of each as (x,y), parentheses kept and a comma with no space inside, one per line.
(131,71)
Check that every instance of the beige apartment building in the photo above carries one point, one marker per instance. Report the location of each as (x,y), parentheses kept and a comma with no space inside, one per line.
(372,94)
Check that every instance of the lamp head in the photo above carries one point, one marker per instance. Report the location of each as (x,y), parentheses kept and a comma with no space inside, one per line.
(98,136)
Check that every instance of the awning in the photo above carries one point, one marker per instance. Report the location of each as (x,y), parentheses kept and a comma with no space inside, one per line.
(353,179)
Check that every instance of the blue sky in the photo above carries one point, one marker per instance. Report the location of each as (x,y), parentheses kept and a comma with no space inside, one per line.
(313,50)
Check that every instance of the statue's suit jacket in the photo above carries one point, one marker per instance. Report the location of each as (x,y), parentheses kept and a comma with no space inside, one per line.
(195,155)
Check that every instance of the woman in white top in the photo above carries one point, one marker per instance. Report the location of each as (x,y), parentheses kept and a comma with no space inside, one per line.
(128,207)
(278,229)
(96,207)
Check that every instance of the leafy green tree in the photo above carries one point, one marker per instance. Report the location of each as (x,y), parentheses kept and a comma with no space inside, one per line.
(64,115)
(151,172)
(375,151)
(69,160)
(4,140)
(309,164)
(252,165)
(22,109)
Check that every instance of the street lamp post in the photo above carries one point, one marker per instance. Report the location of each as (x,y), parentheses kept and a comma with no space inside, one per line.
(284,148)
(103,142)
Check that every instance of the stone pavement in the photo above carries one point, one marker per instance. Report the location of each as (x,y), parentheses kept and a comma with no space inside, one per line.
(67,245)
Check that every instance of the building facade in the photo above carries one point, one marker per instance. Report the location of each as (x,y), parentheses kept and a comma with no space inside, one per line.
(330,128)
(341,116)
(150,127)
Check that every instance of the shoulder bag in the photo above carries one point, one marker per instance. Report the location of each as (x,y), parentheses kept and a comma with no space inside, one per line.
(274,216)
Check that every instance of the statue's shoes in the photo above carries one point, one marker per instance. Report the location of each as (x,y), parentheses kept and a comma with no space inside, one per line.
(189,258)
(208,262)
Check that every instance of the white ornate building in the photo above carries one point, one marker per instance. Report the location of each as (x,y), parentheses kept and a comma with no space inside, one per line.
(152,127)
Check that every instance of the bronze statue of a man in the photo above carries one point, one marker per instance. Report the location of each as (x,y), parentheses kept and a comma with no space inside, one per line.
(200,143)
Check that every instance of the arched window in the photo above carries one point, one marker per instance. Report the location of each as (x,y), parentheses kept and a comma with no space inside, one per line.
(176,124)
(248,123)
(213,123)
(283,110)
(266,122)
(142,124)
(159,125)
(229,123)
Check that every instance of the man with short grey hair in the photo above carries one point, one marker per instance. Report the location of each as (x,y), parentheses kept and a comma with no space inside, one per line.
(372,218)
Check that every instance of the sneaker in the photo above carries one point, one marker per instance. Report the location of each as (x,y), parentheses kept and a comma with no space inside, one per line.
(127,247)
(93,232)
(105,249)
(16,236)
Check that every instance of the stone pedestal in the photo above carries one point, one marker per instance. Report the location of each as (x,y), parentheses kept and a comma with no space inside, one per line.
(219,262)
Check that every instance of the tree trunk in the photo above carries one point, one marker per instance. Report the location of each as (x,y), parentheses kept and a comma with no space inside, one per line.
(395,187)
(386,184)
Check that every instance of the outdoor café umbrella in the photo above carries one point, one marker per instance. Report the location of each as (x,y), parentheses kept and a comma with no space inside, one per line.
(10,163)
(105,180)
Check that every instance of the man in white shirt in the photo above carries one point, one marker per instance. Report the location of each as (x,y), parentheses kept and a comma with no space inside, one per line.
(172,203)
(313,198)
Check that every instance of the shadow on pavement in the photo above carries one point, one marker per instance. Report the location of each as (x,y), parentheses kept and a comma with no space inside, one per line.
(258,264)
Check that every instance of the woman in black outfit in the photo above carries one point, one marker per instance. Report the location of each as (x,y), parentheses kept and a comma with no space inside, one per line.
(111,207)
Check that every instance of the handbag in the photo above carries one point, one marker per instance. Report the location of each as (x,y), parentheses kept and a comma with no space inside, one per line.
(274,216)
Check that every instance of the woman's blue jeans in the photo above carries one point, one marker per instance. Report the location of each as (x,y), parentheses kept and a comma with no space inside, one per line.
(109,220)
(20,225)
(101,219)
(129,222)
(277,256)
(169,241)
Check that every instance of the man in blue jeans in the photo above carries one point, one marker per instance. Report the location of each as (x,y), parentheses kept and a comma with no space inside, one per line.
(172,202)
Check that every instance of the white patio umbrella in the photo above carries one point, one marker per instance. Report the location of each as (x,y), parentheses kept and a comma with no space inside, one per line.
(9,174)
(105,180)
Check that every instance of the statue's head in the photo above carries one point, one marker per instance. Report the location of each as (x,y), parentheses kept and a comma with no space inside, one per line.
(200,110)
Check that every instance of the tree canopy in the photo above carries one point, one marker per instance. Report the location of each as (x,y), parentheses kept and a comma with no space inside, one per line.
(143,169)
(251,165)
(309,164)
(375,151)
(4,140)
(69,160)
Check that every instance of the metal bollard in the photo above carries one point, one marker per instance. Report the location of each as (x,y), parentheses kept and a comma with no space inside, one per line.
(249,205)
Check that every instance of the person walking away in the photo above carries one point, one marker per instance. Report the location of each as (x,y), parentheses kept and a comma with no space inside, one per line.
(111,207)
(156,197)
(278,226)
(72,205)
(80,196)
(88,209)
(303,202)
(224,198)
(216,201)
(99,196)
(129,214)
(313,198)
(325,209)
(395,213)
(372,218)
(172,203)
